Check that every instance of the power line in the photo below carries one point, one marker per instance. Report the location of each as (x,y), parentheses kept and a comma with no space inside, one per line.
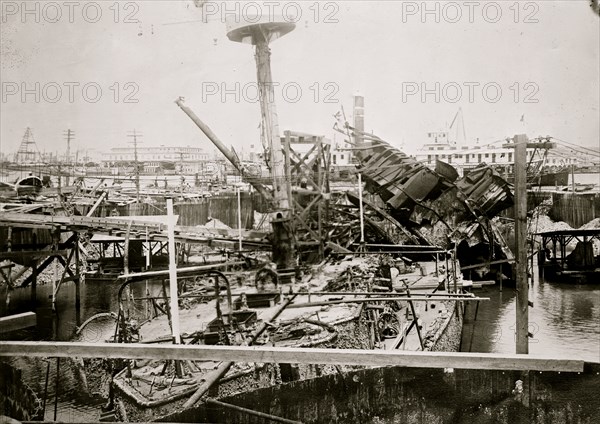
(594,152)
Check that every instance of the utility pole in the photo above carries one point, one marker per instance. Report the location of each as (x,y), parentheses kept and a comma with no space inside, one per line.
(135,142)
(522,344)
(521,144)
(70,135)
(181,177)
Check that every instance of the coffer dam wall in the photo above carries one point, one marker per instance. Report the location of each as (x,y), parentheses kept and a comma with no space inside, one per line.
(420,395)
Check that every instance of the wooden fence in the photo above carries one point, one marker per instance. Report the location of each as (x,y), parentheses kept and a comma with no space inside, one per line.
(198,212)
(576,209)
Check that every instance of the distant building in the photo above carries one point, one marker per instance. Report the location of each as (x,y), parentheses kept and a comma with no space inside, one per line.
(186,159)
(466,157)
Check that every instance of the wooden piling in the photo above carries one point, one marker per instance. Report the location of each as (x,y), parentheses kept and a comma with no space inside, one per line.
(77,281)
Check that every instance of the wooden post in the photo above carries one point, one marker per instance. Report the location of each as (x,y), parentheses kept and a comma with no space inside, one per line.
(522,312)
(239,207)
(229,303)
(34,284)
(360,205)
(54,281)
(320,204)
(148,256)
(447,273)
(454,270)
(9,239)
(77,282)
(173,273)
(148,252)
(173,282)
(501,277)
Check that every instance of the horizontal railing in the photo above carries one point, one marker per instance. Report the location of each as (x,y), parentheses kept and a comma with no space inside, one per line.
(460,360)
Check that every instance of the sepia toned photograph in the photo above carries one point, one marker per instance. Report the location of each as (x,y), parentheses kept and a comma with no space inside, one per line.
(310,211)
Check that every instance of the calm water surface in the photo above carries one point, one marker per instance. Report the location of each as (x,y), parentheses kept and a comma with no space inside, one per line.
(75,404)
(565,321)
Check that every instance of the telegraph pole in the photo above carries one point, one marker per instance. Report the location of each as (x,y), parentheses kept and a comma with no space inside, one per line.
(522,344)
(135,142)
(521,144)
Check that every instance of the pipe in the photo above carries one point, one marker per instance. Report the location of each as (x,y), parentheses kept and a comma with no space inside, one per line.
(383,299)
(251,412)
(164,272)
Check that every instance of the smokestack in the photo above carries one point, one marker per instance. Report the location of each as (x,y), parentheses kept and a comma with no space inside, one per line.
(359,123)
(359,117)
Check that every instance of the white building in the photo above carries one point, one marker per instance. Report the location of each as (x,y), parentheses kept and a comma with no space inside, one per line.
(440,147)
(186,159)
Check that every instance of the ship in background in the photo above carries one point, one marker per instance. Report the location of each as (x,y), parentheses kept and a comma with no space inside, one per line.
(546,167)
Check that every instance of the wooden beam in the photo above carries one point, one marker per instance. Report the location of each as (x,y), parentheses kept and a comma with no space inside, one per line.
(462,360)
(337,248)
(499,261)
(18,322)
(31,254)
(426,249)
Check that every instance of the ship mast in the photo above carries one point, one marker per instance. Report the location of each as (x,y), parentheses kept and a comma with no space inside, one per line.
(260,35)
(135,142)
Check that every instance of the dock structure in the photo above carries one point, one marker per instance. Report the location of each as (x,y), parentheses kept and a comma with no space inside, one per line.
(579,266)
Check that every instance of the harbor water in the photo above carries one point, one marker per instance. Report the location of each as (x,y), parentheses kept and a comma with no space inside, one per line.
(75,402)
(564,320)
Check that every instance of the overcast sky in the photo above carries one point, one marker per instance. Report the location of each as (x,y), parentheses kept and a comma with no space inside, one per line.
(543,56)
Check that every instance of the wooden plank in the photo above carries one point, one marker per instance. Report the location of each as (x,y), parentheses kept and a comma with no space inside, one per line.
(462,360)
(18,322)
(31,254)
(499,261)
